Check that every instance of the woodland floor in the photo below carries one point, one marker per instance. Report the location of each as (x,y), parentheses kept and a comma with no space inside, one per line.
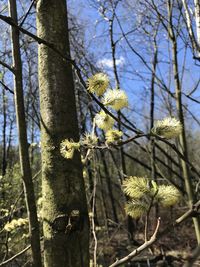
(172,250)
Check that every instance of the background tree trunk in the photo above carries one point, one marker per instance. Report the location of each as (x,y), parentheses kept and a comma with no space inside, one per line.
(182,139)
(4,110)
(197,20)
(23,144)
(65,218)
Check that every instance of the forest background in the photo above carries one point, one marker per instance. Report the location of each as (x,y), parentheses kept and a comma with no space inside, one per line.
(150,49)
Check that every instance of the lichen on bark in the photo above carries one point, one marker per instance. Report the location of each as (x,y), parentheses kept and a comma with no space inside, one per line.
(62,181)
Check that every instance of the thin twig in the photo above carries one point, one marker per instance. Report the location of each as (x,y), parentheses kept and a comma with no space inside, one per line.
(6,87)
(179,154)
(6,65)
(78,71)
(27,13)
(15,256)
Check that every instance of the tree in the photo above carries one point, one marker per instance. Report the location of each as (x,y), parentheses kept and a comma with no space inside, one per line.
(182,139)
(195,40)
(65,219)
(139,50)
(23,143)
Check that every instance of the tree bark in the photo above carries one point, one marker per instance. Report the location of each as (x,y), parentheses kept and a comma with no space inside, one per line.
(4,156)
(109,185)
(23,144)
(182,138)
(197,20)
(65,217)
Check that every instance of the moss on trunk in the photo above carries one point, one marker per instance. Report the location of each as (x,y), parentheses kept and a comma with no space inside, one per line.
(66,231)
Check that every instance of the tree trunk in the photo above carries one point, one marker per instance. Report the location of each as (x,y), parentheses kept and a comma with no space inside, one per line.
(23,144)
(4,156)
(65,218)
(197,20)
(182,138)
(109,185)
(152,111)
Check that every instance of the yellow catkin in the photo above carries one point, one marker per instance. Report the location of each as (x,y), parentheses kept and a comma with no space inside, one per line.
(104,121)
(98,84)
(116,99)
(67,148)
(168,128)
(113,136)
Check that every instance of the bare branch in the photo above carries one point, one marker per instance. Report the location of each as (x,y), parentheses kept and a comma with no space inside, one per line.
(6,65)
(189,26)
(78,71)
(27,13)
(193,212)
(137,251)
(6,87)
(4,263)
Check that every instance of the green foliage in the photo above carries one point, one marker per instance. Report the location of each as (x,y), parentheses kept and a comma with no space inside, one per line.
(14,224)
(11,185)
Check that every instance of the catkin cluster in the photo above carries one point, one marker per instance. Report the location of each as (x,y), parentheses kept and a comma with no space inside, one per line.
(144,193)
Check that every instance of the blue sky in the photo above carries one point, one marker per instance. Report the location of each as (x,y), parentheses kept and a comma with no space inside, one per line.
(130,66)
(134,77)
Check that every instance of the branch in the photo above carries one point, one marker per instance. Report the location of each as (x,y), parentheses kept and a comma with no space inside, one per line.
(141,134)
(6,87)
(188,22)
(193,212)
(15,256)
(11,22)
(191,98)
(139,249)
(130,139)
(179,154)
(52,46)
(6,65)
(27,13)
(78,71)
